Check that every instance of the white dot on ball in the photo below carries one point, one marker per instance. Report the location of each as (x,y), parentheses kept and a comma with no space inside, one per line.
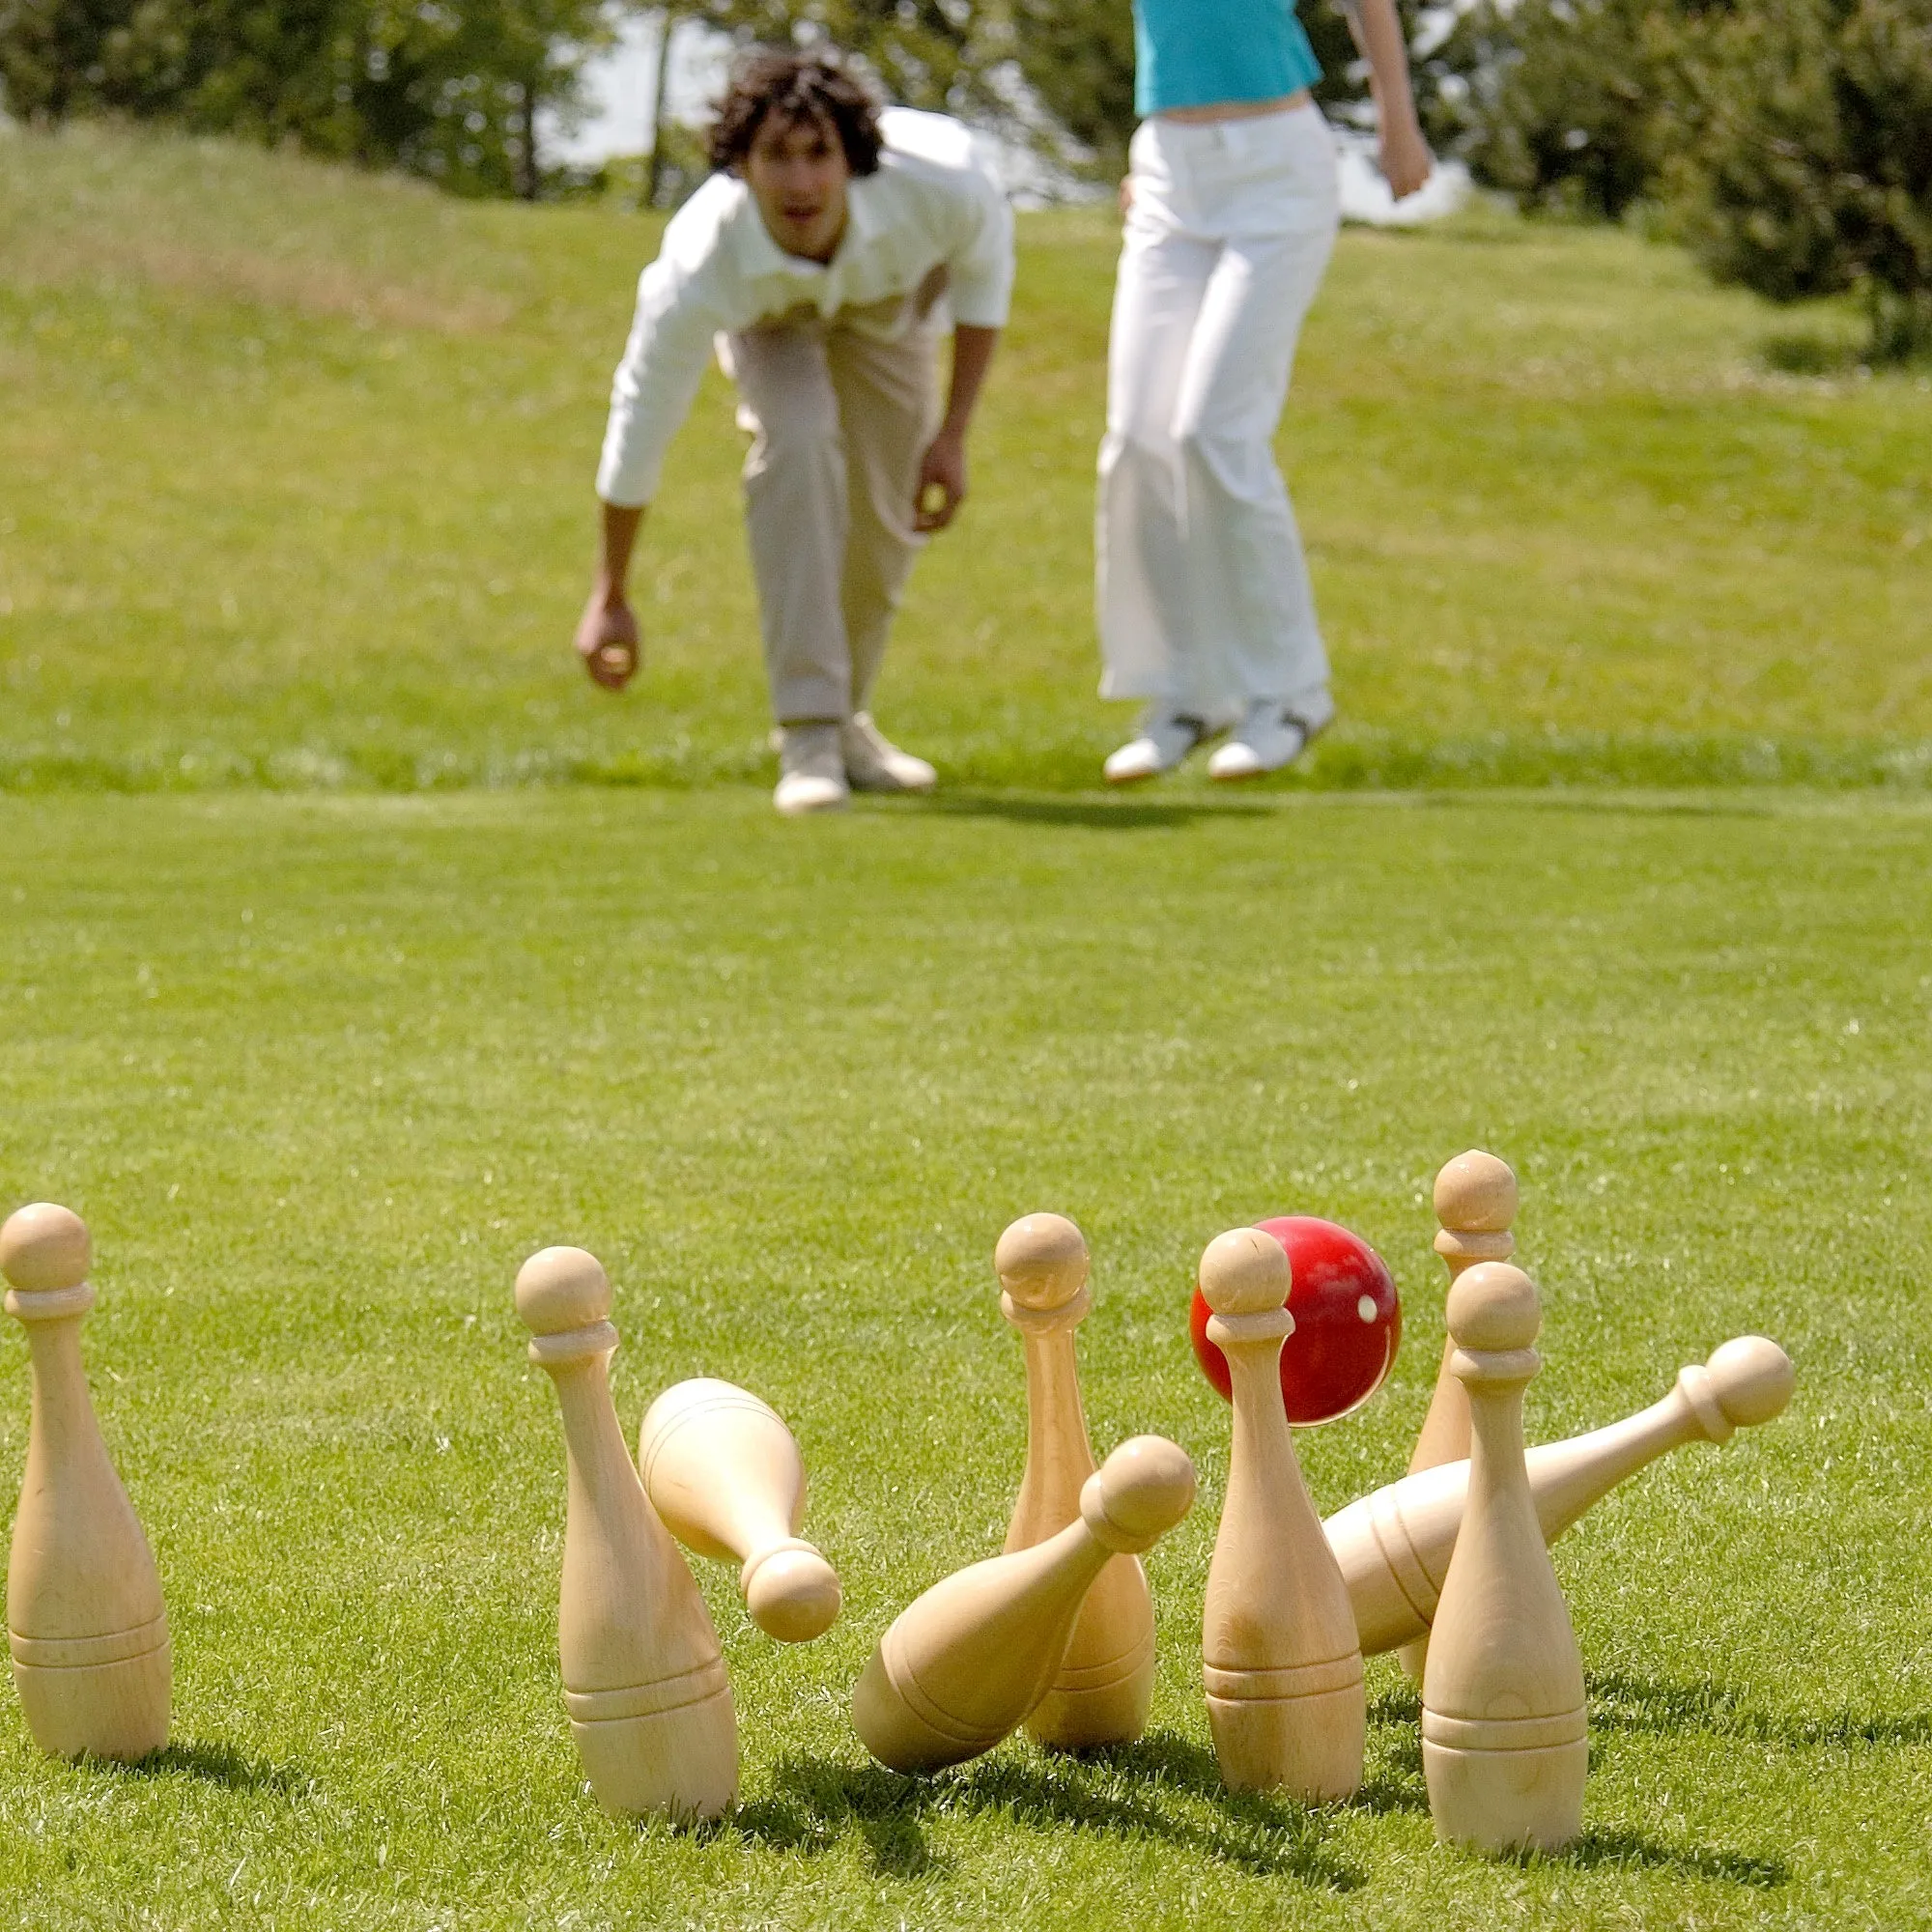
(1366,1308)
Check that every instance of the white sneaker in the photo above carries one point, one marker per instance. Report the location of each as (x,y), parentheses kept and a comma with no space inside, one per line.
(812,772)
(1270,736)
(1166,737)
(874,764)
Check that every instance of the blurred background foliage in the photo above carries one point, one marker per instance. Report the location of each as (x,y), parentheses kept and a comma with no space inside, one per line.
(1787,142)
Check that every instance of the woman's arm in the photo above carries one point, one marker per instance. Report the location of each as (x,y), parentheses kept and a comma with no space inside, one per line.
(1405,159)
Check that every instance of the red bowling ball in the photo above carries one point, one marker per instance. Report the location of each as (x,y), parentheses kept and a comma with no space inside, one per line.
(1347,1323)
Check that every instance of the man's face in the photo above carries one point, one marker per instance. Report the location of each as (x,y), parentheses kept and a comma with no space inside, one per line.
(797,172)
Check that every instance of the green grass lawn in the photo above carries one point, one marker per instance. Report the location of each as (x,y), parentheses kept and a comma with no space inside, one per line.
(322,1070)
(295,519)
(296,490)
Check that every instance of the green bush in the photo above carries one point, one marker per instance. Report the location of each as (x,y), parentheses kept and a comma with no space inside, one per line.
(1564,100)
(1806,169)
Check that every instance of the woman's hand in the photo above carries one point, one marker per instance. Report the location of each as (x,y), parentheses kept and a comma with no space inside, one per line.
(1405,160)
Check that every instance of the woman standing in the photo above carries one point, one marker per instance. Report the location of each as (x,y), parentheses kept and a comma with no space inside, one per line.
(1206,611)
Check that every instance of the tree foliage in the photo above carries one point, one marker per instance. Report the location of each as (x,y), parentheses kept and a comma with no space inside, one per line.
(1072,60)
(444,88)
(1807,167)
(1563,99)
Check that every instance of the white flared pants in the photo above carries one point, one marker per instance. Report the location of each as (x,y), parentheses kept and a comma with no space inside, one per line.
(1203,597)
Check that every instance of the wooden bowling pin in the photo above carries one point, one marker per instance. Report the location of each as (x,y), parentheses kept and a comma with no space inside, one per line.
(1475,1202)
(643,1680)
(1104,1688)
(84,1615)
(1504,1730)
(724,1474)
(1394,1545)
(961,1668)
(1279,1654)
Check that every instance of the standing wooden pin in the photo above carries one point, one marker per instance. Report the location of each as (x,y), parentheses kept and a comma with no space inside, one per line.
(1279,1653)
(962,1666)
(643,1680)
(1504,1730)
(724,1474)
(1104,1688)
(84,1614)
(1475,1202)
(1394,1545)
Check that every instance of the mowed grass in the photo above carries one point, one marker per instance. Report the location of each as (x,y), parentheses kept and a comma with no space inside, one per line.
(322,1070)
(294,490)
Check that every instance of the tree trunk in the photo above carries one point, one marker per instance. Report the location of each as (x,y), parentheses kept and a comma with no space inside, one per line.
(654,172)
(528,179)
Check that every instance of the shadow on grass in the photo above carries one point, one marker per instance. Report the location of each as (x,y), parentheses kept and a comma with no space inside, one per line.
(1142,813)
(1633,1851)
(1396,1783)
(815,1802)
(1621,1702)
(218,1764)
(1127,814)
(1596,804)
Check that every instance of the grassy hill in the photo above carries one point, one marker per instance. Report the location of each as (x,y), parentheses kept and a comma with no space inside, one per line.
(297,492)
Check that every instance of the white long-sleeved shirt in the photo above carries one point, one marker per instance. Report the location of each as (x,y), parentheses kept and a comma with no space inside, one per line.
(930,205)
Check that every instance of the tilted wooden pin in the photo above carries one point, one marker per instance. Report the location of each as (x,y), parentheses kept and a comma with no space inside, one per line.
(960,1667)
(1394,1545)
(724,1474)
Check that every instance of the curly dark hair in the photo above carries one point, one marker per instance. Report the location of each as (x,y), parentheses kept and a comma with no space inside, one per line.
(796,85)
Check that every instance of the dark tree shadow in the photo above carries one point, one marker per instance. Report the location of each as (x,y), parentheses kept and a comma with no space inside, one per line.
(1800,352)
(216,1764)
(1620,1701)
(814,1802)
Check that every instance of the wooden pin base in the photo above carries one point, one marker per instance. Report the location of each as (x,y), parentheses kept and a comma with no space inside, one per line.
(79,1703)
(1299,1731)
(1506,1784)
(901,1725)
(646,1758)
(1104,1703)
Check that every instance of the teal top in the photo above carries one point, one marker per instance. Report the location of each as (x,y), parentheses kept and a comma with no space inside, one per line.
(1194,53)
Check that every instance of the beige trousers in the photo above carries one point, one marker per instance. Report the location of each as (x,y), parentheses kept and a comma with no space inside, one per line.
(841,414)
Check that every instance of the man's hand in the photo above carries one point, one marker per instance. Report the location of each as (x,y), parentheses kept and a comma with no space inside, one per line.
(942,481)
(1405,160)
(606,640)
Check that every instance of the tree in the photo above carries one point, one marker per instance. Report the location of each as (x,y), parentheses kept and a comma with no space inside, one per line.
(926,53)
(1565,100)
(447,90)
(1074,58)
(1805,164)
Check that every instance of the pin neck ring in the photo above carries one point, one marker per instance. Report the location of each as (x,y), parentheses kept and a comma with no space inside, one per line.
(573,1344)
(1070,1314)
(49,1304)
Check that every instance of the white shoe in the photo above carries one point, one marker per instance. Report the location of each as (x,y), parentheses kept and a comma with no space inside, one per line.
(1166,737)
(874,764)
(812,772)
(1270,736)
